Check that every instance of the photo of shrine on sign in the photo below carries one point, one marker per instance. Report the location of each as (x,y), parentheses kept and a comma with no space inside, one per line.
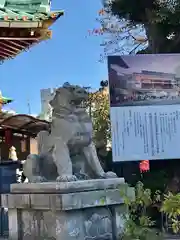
(145,106)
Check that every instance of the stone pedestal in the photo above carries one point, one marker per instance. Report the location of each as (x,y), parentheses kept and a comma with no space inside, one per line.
(82,210)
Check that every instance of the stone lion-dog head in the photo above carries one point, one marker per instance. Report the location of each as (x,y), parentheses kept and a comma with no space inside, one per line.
(69,95)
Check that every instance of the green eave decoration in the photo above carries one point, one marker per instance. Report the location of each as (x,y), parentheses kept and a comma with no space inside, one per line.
(31,6)
(5,100)
(34,10)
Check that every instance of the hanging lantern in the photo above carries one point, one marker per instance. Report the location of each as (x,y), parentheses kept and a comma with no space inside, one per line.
(144,166)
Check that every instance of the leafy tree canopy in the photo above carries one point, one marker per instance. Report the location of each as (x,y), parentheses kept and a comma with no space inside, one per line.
(159,18)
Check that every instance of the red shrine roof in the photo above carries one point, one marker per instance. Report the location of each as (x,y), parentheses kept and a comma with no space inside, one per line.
(21,30)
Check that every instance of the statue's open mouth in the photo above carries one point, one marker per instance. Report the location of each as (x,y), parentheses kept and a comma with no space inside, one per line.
(80,102)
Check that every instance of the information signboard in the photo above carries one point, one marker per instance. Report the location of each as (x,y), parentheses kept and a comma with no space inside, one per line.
(145,106)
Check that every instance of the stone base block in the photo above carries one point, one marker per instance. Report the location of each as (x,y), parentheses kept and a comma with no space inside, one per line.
(82,210)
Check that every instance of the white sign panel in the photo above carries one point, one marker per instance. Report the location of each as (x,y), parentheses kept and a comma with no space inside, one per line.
(145,106)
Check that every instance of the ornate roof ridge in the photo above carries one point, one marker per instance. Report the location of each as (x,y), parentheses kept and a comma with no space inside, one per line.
(10,14)
(27,5)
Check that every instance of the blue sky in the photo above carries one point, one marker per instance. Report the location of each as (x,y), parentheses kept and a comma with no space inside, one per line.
(68,56)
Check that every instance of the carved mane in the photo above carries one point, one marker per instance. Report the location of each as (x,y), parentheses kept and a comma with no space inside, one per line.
(63,101)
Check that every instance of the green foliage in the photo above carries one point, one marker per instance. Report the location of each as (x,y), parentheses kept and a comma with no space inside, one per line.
(153,11)
(138,225)
(171,207)
(98,106)
(161,21)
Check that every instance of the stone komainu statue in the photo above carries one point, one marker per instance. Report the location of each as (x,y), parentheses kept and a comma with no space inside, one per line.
(66,152)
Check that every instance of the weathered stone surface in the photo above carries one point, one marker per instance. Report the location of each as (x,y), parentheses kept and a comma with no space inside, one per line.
(92,224)
(16,201)
(70,201)
(67,187)
(86,214)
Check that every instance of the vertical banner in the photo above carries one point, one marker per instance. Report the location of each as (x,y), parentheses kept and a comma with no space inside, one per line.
(145,106)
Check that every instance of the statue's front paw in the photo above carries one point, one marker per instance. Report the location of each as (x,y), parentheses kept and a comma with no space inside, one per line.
(38,179)
(66,178)
(110,175)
